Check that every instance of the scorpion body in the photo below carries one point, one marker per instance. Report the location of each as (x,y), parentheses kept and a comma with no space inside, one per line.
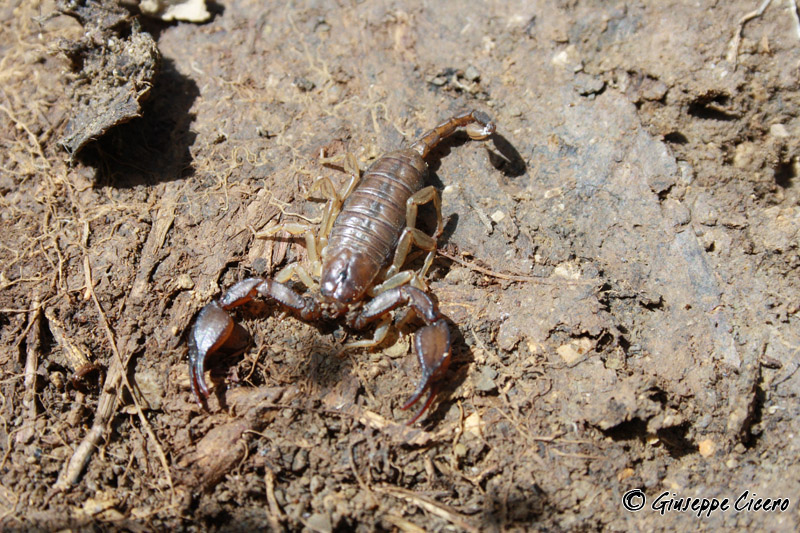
(363,240)
(374,214)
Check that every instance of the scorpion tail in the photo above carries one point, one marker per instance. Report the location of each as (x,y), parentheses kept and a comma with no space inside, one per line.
(477,124)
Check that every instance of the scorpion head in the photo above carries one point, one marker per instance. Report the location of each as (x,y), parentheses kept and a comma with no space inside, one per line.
(346,276)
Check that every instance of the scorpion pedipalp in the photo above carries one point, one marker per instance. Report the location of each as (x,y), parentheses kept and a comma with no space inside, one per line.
(432,344)
(211,330)
(215,329)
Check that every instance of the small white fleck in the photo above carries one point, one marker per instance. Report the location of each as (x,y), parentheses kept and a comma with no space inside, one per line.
(778,130)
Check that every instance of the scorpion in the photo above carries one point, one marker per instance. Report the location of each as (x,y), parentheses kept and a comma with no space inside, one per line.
(363,240)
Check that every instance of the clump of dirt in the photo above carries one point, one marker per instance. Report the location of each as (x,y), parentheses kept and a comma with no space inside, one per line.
(114,64)
(616,267)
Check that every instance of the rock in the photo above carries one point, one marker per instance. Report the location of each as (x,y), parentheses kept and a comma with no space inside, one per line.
(706,447)
(573,351)
(185,10)
(484,381)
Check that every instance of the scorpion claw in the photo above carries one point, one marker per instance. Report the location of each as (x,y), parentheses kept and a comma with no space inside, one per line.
(417,395)
(432,344)
(211,330)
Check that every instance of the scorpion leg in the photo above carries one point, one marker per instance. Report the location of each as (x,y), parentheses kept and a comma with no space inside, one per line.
(377,338)
(313,244)
(396,279)
(351,167)
(214,326)
(296,270)
(334,198)
(332,208)
(431,343)
(412,235)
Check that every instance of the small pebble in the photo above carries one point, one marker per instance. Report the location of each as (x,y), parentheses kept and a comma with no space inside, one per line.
(706,447)
(472,74)
(484,382)
(303,84)
(184,281)
(320,523)
(778,130)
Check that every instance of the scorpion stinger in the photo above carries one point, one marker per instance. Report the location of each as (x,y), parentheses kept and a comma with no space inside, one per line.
(368,231)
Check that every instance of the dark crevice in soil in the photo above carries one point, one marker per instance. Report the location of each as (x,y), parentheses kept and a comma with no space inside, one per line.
(675,137)
(658,395)
(664,194)
(623,343)
(709,107)
(657,305)
(785,174)
(507,506)
(751,429)
(606,339)
(634,429)
(674,439)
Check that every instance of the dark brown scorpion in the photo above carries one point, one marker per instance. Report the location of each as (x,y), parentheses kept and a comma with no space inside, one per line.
(363,240)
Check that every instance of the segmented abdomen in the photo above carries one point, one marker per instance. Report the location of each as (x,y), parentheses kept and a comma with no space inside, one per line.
(374,214)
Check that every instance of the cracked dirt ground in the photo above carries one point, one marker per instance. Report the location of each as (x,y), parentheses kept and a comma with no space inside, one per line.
(619,269)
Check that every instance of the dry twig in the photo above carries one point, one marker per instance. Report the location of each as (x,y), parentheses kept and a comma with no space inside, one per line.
(733,49)
(275,514)
(106,406)
(491,273)
(439,509)
(515,277)
(37,148)
(402,524)
(124,365)
(32,360)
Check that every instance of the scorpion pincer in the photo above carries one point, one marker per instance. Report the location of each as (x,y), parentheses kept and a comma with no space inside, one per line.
(358,251)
